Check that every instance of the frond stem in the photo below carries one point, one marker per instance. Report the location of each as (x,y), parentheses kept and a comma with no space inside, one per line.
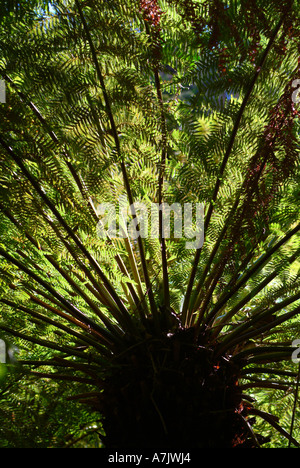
(227,155)
(122,163)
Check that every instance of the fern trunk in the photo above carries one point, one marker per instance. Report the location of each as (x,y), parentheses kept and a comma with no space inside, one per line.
(172,392)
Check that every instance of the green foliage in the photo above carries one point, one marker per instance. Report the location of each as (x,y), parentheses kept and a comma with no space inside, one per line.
(34,415)
(182,102)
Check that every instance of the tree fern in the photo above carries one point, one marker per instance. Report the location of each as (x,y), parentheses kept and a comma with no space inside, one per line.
(154,102)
